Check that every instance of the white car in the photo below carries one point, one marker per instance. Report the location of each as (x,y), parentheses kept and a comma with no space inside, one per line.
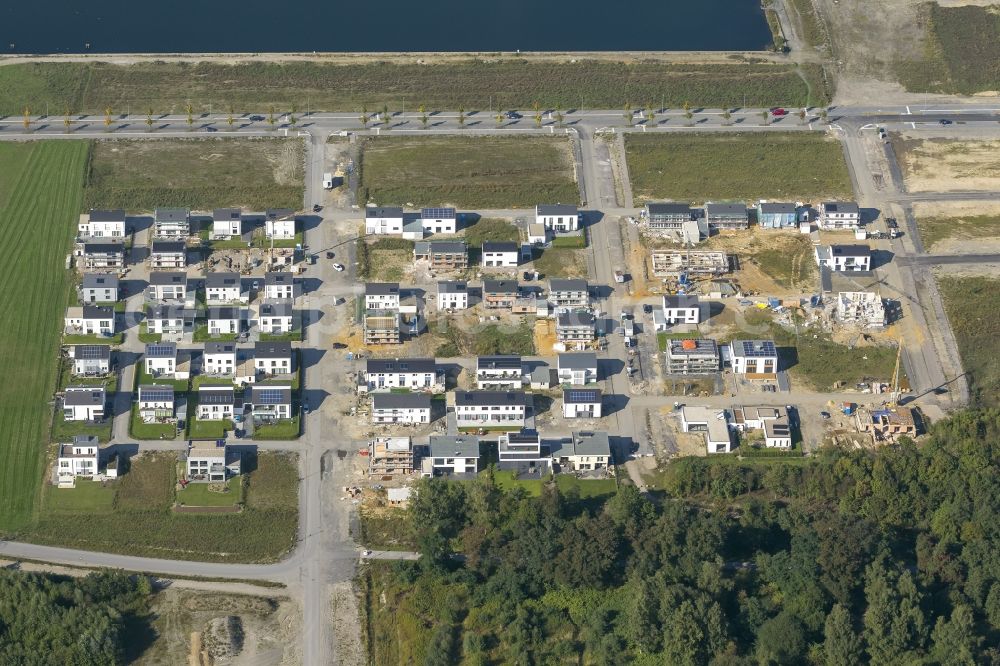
(338,267)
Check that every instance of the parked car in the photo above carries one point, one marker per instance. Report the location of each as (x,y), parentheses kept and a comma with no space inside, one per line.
(512,115)
(647,308)
(329,254)
(256,119)
(945,121)
(778,111)
(338,267)
(255,285)
(317,208)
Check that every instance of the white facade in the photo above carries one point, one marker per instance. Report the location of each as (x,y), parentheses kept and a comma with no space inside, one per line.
(219,359)
(383,221)
(750,357)
(485,409)
(569,293)
(401,408)
(844,258)
(279,224)
(159,365)
(382,296)
(91,359)
(504,255)
(713,422)
(452,296)
(168,254)
(81,458)
(451,455)
(582,403)
(84,403)
(499,373)
(558,218)
(273,358)
(225,322)
(415,374)
(215,403)
(280,286)
(102,224)
(156,402)
(223,288)
(167,286)
(681,310)
(227,222)
(275,318)
(438,220)
(839,215)
(212,463)
(577,368)
(88,320)
(172,222)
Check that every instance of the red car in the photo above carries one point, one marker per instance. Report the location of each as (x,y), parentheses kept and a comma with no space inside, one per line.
(779,112)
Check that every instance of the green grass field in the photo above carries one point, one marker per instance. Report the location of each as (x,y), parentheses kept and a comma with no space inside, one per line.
(561,262)
(933,230)
(139,520)
(491,229)
(201,174)
(961,51)
(973,307)
(41,183)
(468,172)
(697,167)
(473,84)
(202,494)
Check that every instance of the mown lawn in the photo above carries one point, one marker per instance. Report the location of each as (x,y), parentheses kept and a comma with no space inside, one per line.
(279,430)
(473,84)
(586,487)
(698,167)
(973,307)
(40,182)
(142,523)
(207,494)
(142,430)
(201,174)
(468,172)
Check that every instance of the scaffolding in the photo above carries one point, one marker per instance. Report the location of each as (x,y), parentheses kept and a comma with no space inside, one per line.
(862,308)
(694,262)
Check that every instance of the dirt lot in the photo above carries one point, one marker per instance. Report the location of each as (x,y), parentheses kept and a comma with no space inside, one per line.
(264,633)
(959,227)
(945,165)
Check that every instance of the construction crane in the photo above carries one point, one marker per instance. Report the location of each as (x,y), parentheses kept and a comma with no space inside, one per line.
(894,395)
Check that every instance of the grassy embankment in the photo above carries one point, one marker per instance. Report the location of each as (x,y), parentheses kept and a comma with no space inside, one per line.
(473,84)
(40,194)
(797,166)
(973,307)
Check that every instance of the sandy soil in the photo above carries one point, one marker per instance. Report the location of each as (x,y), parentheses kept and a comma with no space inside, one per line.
(968,270)
(945,165)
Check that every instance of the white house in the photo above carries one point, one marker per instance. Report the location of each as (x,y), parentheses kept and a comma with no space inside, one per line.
(450,454)
(500,254)
(91,360)
(212,463)
(582,403)
(575,327)
(415,374)
(538,235)
(839,215)
(681,309)
(583,451)
(577,368)
(485,409)
(271,402)
(216,403)
(223,320)
(169,319)
(522,451)
(223,287)
(98,288)
(279,223)
(499,373)
(219,358)
(275,317)
(772,420)
(167,286)
(90,320)
(227,222)
(382,296)
(156,402)
(558,217)
(172,222)
(168,254)
(102,254)
(102,224)
(404,408)
(753,357)
(844,258)
(439,220)
(273,358)
(81,458)
(569,293)
(84,403)
(382,220)
(160,358)
(452,295)
(714,422)
(280,285)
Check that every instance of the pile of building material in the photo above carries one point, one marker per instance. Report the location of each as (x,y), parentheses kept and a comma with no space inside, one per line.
(863,308)
(695,262)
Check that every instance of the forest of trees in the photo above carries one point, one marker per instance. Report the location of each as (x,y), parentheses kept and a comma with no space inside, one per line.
(860,557)
(89,621)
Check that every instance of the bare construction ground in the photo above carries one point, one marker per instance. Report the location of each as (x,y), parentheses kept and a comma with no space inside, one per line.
(946,165)
(959,227)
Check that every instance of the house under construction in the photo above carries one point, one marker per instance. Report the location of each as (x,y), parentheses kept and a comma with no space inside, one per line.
(886,424)
(693,262)
(863,308)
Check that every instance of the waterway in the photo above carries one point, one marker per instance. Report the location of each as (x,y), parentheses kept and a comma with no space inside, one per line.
(266,26)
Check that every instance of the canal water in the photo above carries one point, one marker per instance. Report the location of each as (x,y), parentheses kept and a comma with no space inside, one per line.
(262,26)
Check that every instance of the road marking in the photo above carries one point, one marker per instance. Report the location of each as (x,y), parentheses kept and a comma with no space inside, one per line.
(908,110)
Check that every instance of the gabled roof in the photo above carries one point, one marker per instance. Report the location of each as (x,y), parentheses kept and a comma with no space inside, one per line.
(437,213)
(156,393)
(452,287)
(168,246)
(500,287)
(489,398)
(381,288)
(169,311)
(167,278)
(271,394)
(850,250)
(849,207)
(103,247)
(753,348)
(726,209)
(401,401)
(570,284)
(220,347)
(222,312)
(99,281)
(383,211)
(383,365)
(95,312)
(675,301)
(498,363)
(499,246)
(278,277)
(555,209)
(226,214)
(113,215)
(575,319)
(171,214)
(279,214)
(219,279)
(591,443)
(216,395)
(578,396)
(669,208)
(775,208)
(275,309)
(442,247)
(577,360)
(84,396)
(273,349)
(161,350)
(92,352)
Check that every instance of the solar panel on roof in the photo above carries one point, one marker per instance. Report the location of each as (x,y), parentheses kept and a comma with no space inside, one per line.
(159,350)
(89,352)
(582,396)
(759,348)
(270,396)
(439,213)
(157,395)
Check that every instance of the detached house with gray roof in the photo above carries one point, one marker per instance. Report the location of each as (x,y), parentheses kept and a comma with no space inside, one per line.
(102,254)
(839,215)
(172,222)
(383,220)
(227,222)
(91,360)
(452,295)
(167,286)
(84,403)
(90,320)
(559,218)
(99,288)
(726,216)
(569,293)
(451,454)
(224,287)
(415,374)
(486,409)
(401,408)
(102,224)
(583,451)
(168,254)
(500,254)
(575,327)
